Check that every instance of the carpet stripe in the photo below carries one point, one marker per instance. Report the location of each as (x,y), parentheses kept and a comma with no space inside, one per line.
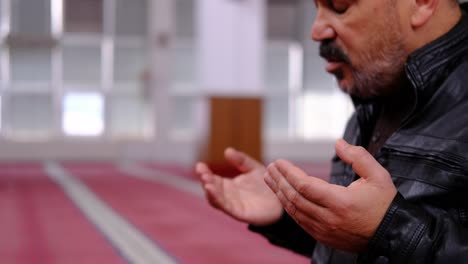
(210,237)
(132,244)
(175,181)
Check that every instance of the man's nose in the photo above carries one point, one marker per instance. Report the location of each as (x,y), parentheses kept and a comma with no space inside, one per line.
(321,28)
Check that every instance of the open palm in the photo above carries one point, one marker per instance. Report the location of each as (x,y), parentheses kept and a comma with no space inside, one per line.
(245,197)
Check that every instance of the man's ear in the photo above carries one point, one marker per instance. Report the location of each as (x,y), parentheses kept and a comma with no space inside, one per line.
(423,11)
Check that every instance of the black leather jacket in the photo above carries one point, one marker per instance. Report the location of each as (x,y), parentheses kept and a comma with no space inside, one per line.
(427,157)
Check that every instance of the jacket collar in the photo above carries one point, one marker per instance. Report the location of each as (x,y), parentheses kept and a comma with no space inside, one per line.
(429,66)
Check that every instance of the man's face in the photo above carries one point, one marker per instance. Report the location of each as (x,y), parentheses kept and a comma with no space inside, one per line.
(362,43)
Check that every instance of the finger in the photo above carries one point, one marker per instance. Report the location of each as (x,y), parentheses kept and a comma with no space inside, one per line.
(270,182)
(213,185)
(215,182)
(205,175)
(240,160)
(215,193)
(310,224)
(293,200)
(362,162)
(201,168)
(314,220)
(313,227)
(214,196)
(311,188)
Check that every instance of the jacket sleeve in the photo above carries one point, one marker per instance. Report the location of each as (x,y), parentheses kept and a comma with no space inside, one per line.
(288,234)
(410,233)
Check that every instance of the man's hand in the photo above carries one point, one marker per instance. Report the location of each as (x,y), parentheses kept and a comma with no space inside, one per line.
(246,197)
(342,217)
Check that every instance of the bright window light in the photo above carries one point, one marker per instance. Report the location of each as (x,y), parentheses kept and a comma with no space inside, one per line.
(296,66)
(57,17)
(324,116)
(83,114)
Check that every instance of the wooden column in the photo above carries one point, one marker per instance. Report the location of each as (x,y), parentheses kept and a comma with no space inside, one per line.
(234,122)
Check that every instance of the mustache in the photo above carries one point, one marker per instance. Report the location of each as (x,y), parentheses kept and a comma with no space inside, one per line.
(330,51)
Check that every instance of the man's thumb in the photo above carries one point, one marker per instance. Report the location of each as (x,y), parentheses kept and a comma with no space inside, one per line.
(361,160)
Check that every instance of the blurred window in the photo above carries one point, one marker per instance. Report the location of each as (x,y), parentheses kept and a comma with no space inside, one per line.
(184,92)
(84,16)
(131,18)
(28,115)
(83,62)
(302,100)
(128,116)
(30,17)
(83,114)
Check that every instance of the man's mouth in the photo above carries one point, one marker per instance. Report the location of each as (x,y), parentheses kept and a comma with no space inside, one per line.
(334,56)
(333,65)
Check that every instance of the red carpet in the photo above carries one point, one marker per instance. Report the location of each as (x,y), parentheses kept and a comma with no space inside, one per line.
(39,224)
(183,171)
(182,224)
